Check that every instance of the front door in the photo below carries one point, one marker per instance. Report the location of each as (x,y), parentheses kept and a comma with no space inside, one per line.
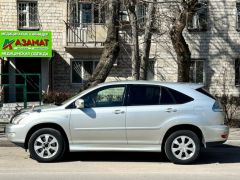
(103,118)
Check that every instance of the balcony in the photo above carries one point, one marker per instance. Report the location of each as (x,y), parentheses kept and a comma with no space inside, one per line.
(89,35)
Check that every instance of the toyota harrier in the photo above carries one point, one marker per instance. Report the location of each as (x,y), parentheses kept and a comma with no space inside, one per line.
(175,118)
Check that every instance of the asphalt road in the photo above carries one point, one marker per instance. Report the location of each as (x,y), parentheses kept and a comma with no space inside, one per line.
(218,163)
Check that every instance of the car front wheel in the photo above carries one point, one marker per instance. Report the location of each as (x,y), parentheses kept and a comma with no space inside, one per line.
(46,145)
(182,147)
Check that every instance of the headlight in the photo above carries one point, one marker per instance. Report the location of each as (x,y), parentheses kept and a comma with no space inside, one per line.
(20,117)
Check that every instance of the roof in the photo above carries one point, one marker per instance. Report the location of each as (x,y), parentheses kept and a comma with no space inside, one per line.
(167,84)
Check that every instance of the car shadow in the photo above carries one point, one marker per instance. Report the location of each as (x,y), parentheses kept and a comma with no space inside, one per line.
(115,157)
(220,154)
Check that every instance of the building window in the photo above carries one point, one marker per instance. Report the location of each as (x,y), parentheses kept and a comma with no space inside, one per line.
(82,70)
(28,15)
(151,70)
(141,13)
(123,14)
(197,71)
(238,17)
(237,72)
(199,20)
(82,13)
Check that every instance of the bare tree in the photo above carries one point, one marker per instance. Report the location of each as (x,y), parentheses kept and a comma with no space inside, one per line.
(132,8)
(186,12)
(111,47)
(147,39)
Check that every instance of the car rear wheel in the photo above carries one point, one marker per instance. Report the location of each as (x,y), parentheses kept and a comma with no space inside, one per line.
(182,147)
(46,145)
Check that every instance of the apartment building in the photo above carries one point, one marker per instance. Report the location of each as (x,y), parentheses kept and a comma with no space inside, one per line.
(78,31)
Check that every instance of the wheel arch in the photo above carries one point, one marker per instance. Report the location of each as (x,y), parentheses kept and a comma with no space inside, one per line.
(190,127)
(46,125)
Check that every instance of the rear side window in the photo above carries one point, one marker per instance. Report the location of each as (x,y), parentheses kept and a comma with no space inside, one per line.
(180,98)
(203,91)
(143,95)
(166,97)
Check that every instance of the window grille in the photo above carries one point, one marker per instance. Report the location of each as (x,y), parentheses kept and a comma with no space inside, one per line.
(28,15)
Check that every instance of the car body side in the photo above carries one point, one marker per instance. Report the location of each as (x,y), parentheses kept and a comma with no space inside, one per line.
(197,114)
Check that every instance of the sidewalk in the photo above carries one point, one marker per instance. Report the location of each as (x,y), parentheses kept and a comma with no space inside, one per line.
(234,134)
(4,142)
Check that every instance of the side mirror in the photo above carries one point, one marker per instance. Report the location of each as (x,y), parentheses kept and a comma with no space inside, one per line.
(79,103)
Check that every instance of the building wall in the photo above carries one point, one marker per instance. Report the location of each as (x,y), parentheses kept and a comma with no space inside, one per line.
(219,46)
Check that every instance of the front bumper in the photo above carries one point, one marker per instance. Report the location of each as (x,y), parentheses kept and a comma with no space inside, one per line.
(16,133)
(217,134)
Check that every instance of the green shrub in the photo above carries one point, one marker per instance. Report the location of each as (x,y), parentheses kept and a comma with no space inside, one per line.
(231,107)
(56,97)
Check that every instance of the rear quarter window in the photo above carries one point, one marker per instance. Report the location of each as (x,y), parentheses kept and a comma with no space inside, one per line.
(179,97)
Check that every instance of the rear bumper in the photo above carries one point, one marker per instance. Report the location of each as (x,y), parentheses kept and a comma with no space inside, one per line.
(214,135)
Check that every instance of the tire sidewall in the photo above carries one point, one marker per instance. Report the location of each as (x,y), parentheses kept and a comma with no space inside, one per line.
(52,132)
(170,140)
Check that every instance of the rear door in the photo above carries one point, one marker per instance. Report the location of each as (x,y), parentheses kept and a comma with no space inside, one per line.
(148,106)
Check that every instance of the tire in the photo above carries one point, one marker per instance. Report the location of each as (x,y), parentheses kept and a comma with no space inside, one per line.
(46,145)
(182,153)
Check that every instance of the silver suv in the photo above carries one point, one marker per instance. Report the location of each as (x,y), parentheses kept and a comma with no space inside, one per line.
(175,118)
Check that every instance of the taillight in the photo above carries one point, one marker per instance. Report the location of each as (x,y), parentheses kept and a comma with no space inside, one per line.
(217,107)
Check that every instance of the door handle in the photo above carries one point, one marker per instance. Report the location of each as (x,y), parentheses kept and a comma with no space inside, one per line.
(118,112)
(170,110)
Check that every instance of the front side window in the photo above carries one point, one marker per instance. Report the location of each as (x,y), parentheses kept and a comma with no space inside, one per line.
(82,70)
(143,95)
(237,72)
(28,15)
(199,20)
(197,71)
(105,97)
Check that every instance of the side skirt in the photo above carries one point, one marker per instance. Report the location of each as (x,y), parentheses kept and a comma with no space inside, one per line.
(114,147)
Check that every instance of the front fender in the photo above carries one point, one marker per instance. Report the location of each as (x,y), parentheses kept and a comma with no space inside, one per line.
(60,118)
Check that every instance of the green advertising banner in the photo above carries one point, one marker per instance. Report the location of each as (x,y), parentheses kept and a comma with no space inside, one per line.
(25,43)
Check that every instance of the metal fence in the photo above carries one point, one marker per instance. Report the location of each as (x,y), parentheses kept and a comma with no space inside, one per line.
(26,80)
